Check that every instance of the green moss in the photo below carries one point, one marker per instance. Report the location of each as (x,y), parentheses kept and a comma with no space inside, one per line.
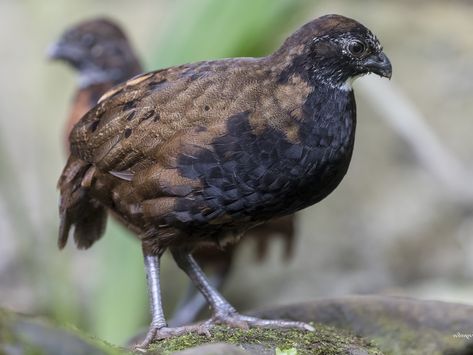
(324,340)
(291,351)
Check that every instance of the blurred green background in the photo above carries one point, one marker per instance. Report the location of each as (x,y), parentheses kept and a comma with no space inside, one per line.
(392,226)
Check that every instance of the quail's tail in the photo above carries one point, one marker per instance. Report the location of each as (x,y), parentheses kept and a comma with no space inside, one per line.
(77,208)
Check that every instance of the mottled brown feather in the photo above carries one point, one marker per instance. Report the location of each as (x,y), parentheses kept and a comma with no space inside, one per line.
(179,102)
(139,130)
(183,111)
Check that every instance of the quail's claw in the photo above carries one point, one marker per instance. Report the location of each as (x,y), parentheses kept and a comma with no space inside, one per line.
(166,332)
(236,320)
(204,329)
(150,336)
(233,320)
(276,323)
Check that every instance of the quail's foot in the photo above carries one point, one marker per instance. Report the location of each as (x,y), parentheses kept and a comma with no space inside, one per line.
(156,334)
(232,320)
(236,320)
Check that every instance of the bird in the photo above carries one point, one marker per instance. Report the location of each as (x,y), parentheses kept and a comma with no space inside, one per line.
(99,50)
(197,154)
(101,54)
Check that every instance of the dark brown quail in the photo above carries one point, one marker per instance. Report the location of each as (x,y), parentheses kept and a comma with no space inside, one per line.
(103,57)
(198,154)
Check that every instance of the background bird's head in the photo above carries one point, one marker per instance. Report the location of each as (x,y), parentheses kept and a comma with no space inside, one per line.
(98,49)
(335,50)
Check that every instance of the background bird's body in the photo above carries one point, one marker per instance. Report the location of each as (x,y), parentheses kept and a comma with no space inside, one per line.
(103,57)
(101,54)
(83,100)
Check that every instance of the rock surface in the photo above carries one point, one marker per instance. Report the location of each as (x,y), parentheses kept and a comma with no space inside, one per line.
(398,325)
(21,334)
(356,325)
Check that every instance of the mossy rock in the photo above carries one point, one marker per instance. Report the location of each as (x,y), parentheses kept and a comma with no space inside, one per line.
(24,335)
(325,340)
(398,325)
(20,334)
(357,325)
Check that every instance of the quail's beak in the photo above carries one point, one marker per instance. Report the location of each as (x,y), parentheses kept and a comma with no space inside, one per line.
(54,51)
(379,64)
(61,51)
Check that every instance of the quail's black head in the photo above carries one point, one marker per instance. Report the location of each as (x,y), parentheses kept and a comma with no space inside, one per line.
(335,50)
(98,49)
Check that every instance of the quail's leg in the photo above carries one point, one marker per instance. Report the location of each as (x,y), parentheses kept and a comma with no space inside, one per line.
(193,303)
(154,293)
(158,328)
(223,312)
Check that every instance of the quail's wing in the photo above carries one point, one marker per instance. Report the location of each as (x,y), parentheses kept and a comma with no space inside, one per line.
(128,127)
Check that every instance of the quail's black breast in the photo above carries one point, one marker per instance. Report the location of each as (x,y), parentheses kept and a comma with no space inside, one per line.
(249,176)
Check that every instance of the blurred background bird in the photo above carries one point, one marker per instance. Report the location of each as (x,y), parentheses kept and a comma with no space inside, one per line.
(99,51)
(101,54)
(415,216)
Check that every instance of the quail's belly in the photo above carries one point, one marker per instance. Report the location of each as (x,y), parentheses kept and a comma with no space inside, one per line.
(251,177)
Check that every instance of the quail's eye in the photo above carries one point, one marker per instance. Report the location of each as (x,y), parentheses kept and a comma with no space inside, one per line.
(88,40)
(97,50)
(116,50)
(357,48)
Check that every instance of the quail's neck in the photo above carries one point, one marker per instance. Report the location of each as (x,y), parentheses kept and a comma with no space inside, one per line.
(316,73)
(89,77)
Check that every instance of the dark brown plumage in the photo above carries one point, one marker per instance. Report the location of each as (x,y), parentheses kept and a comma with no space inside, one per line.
(190,155)
(101,54)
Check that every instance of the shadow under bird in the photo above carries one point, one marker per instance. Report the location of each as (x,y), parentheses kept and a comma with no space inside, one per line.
(199,153)
(101,54)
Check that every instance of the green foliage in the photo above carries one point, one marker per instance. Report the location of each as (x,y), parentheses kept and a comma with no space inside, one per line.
(211,29)
(120,306)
